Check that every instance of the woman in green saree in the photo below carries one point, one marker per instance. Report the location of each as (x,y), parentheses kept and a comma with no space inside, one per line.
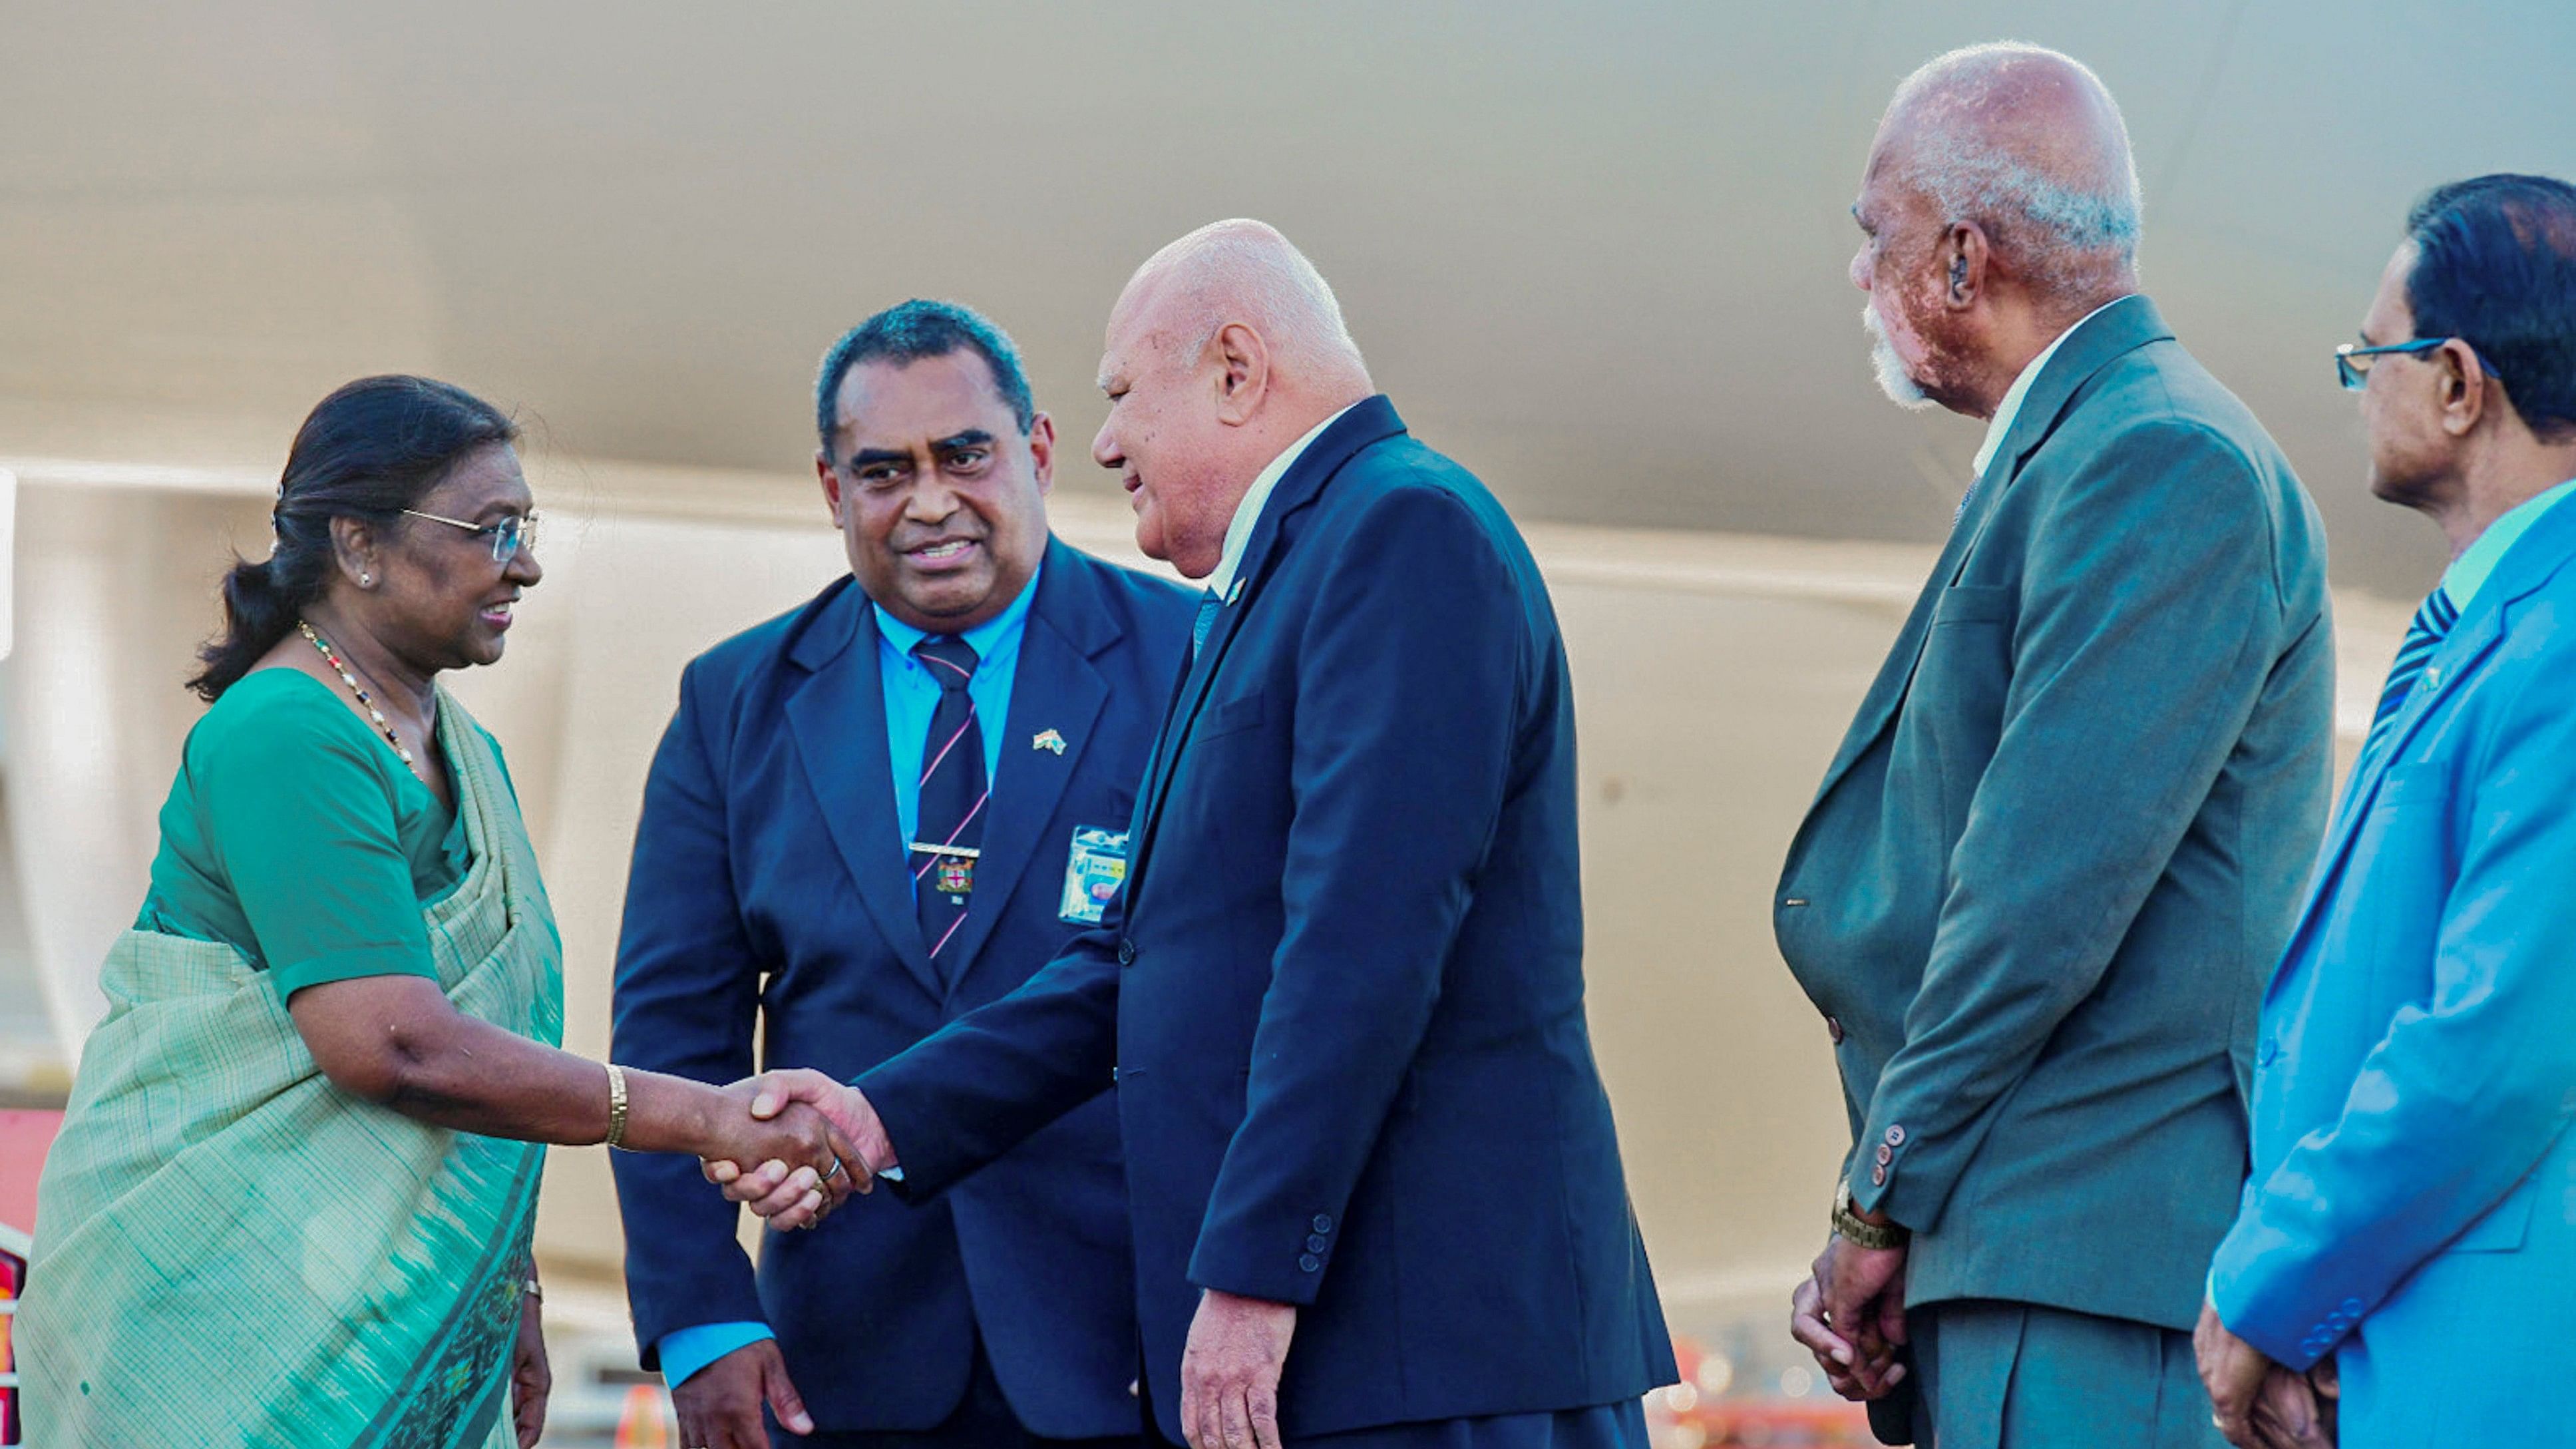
(292,1198)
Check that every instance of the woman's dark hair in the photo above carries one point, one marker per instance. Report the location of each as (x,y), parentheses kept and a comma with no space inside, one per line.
(2495,266)
(370,450)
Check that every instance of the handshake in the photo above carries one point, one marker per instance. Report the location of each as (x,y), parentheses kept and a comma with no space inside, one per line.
(807,1144)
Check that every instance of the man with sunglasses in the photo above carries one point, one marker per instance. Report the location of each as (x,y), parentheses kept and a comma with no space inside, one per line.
(868,817)
(2413,1180)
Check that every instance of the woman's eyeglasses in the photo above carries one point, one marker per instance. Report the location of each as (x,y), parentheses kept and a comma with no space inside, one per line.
(2352,366)
(509,535)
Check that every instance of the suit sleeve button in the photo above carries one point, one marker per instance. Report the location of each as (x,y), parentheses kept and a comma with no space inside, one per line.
(1317,1243)
(1886,1154)
(1323,1222)
(1878,1175)
(1308,1262)
(1896,1136)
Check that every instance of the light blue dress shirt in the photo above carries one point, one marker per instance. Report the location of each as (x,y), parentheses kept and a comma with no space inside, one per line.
(2468,573)
(911,697)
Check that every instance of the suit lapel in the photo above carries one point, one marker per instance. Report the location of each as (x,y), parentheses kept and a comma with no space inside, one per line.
(839,722)
(1370,421)
(2119,329)
(2531,562)
(1055,689)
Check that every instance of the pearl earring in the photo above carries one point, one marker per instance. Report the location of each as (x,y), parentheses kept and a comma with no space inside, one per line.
(366,581)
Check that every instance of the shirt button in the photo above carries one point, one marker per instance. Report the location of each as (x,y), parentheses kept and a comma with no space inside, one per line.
(1317,1243)
(1309,1263)
(1834,1029)
(1126,952)
(1878,1175)
(1896,1136)
(1323,1222)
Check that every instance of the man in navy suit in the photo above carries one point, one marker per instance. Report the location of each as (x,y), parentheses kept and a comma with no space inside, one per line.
(1375,1192)
(822,870)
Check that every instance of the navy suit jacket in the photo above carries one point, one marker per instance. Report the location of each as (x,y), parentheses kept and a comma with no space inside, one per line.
(769,894)
(1343,991)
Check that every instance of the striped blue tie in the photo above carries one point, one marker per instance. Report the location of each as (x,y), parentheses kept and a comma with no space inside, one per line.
(2432,624)
(1206,620)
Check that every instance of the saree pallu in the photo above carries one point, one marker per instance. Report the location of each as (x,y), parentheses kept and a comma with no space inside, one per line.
(232,1251)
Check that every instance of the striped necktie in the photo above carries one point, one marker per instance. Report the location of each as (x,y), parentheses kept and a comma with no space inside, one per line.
(1205,621)
(2431,626)
(949,835)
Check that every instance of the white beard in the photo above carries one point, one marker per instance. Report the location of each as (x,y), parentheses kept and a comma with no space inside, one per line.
(1893,379)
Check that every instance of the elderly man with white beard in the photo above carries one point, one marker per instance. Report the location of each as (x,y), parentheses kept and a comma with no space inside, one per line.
(2063,840)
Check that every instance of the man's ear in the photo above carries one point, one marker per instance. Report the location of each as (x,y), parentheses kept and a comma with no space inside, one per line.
(1042,450)
(831,477)
(1243,377)
(2467,388)
(1965,256)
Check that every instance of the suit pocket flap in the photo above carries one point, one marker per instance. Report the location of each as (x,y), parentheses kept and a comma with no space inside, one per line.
(1226,716)
(1974,604)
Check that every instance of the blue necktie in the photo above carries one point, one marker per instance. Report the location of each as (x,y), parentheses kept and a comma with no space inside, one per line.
(1205,621)
(950,830)
(2432,624)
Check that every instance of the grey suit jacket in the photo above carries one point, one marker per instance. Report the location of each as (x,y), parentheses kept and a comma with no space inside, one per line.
(2063,842)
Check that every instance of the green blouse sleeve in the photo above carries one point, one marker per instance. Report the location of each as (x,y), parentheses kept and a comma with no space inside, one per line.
(302,817)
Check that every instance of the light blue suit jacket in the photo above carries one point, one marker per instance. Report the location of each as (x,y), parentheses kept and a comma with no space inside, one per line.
(2414,1187)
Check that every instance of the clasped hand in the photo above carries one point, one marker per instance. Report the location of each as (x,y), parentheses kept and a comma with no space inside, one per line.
(1850,1313)
(798,1191)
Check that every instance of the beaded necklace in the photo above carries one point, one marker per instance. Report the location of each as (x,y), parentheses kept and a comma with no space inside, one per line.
(332,657)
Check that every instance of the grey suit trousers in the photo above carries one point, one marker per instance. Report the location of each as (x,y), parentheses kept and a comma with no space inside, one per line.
(1996,1375)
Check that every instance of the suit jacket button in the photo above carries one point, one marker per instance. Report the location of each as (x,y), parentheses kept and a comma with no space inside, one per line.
(1317,1243)
(1878,1175)
(1834,1029)
(1323,1222)
(1896,1136)
(1886,1154)
(2352,1307)
(1308,1262)
(1126,952)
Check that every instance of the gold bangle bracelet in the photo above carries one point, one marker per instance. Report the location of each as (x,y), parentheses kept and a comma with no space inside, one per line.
(616,1105)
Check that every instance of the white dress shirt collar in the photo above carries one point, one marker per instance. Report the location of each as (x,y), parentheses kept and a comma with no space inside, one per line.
(2011,405)
(1238,534)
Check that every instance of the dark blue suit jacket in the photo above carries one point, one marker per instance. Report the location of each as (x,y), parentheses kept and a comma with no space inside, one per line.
(769,893)
(1344,996)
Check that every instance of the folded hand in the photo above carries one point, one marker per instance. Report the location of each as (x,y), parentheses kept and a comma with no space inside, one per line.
(777,1188)
(1850,1313)
(2234,1372)
(2290,1412)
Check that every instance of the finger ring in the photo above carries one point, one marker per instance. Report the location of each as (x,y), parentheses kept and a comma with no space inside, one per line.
(837,1168)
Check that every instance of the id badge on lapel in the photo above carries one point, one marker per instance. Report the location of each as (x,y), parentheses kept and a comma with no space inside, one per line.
(1093,871)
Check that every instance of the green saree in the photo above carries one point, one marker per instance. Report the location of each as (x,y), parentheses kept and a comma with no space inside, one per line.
(232,1251)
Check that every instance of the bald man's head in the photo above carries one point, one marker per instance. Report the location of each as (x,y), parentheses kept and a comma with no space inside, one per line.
(1243,271)
(1225,348)
(2027,143)
(2000,206)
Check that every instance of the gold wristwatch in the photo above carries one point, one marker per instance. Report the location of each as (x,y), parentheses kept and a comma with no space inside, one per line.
(1849,1225)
